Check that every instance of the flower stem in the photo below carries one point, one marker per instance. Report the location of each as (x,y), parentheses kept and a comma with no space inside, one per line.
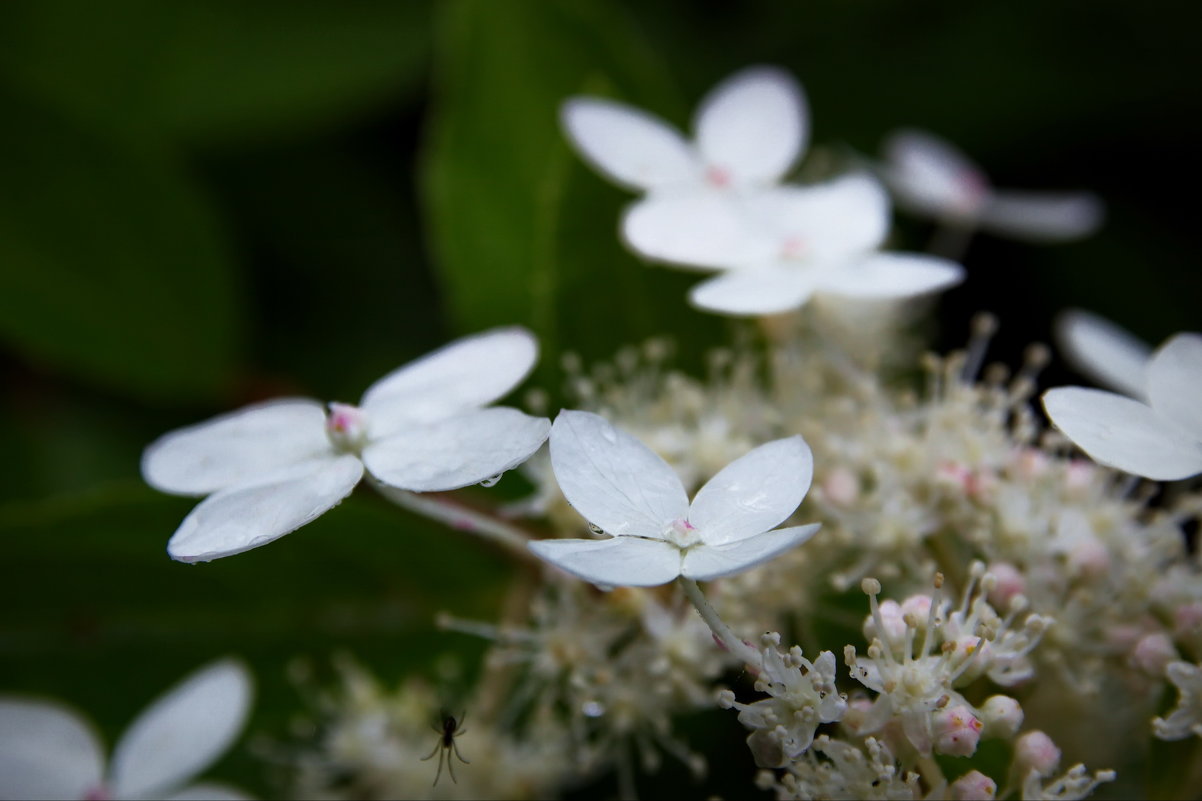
(722,632)
(460,517)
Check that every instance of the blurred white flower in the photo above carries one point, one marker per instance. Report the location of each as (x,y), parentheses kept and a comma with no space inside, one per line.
(1186,717)
(622,487)
(1104,352)
(47,751)
(750,129)
(781,246)
(931,177)
(271,468)
(1161,439)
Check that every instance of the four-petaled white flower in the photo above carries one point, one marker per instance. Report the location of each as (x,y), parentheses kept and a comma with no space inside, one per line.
(780,246)
(931,177)
(750,129)
(622,487)
(48,751)
(1160,439)
(271,468)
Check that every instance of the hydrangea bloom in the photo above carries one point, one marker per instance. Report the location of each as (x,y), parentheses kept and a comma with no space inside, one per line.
(780,246)
(47,751)
(622,487)
(750,129)
(930,176)
(1161,439)
(271,468)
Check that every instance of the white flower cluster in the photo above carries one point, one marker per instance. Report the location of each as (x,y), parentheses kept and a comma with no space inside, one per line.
(1057,584)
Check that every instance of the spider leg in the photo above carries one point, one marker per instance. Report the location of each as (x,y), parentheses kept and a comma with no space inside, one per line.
(442,752)
(455,746)
(431,754)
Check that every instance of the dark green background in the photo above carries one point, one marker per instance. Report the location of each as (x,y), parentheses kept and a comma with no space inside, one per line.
(206,202)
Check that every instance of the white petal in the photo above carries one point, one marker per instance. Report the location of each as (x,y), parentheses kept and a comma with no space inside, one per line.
(1175,382)
(706,562)
(236,448)
(183,732)
(930,176)
(613,480)
(465,449)
(706,230)
(617,562)
(824,221)
(245,517)
(753,125)
(466,374)
(754,493)
(46,751)
(1124,433)
(886,276)
(753,292)
(630,146)
(210,791)
(1042,216)
(1104,352)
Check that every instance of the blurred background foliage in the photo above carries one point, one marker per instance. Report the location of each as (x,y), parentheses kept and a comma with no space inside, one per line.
(205,203)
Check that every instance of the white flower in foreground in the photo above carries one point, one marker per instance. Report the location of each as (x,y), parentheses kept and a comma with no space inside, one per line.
(1160,440)
(622,487)
(750,129)
(929,176)
(1104,352)
(47,751)
(781,246)
(271,468)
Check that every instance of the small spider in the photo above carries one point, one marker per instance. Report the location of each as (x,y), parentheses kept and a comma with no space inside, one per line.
(447,733)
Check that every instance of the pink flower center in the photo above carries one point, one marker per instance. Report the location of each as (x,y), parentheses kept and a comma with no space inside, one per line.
(346,426)
(718,176)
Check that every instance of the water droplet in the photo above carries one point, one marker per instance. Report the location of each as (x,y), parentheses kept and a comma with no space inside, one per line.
(491,481)
(592,709)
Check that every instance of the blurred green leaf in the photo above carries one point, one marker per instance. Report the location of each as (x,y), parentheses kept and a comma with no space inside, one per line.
(111,266)
(213,69)
(522,232)
(97,615)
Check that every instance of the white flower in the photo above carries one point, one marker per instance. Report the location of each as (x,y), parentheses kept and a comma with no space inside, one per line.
(1186,717)
(1104,352)
(271,468)
(780,246)
(622,487)
(47,751)
(1160,440)
(929,176)
(750,129)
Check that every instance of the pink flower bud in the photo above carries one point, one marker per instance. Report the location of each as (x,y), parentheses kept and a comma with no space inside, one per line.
(1153,653)
(957,731)
(973,786)
(1036,751)
(1010,582)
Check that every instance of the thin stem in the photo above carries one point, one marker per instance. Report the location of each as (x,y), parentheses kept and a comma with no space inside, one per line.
(721,631)
(460,517)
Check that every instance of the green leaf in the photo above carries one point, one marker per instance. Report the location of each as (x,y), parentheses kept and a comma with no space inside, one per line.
(111,266)
(214,69)
(522,232)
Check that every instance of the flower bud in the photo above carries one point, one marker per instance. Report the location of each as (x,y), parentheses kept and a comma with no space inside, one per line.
(1036,751)
(957,731)
(973,786)
(1002,716)
(1153,653)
